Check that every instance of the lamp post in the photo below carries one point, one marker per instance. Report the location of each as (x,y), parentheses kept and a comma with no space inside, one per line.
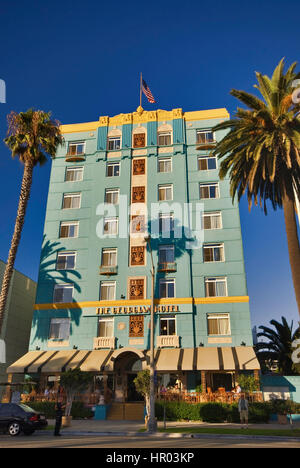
(152,425)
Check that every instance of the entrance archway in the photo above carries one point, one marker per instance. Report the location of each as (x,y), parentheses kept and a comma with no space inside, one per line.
(126,366)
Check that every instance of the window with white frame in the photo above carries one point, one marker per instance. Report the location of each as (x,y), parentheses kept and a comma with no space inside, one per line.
(168,325)
(109,257)
(63,293)
(165,192)
(112,169)
(74,174)
(112,196)
(71,200)
(218,324)
(60,329)
(216,287)
(166,223)
(69,229)
(165,165)
(166,288)
(108,291)
(110,226)
(66,260)
(113,143)
(207,163)
(213,252)
(166,254)
(212,220)
(205,136)
(164,138)
(106,327)
(76,148)
(209,190)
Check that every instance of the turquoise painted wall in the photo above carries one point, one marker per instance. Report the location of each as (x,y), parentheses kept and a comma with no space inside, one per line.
(191,271)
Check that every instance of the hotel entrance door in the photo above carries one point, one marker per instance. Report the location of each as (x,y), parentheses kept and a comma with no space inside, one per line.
(132,394)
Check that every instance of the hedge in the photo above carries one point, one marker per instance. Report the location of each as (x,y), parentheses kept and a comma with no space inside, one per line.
(79,411)
(212,412)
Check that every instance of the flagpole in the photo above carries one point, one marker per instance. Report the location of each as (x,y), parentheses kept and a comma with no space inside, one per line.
(141,91)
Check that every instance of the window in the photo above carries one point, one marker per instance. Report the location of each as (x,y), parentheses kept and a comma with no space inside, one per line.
(164,139)
(209,190)
(63,293)
(215,287)
(109,257)
(76,148)
(207,163)
(66,260)
(74,174)
(71,200)
(166,254)
(113,143)
(167,288)
(168,325)
(213,253)
(205,136)
(59,329)
(108,291)
(111,226)
(165,165)
(113,169)
(212,220)
(165,192)
(106,327)
(69,229)
(112,196)
(166,223)
(218,324)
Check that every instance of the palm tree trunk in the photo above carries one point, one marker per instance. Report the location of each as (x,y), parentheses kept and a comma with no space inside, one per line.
(293,244)
(24,197)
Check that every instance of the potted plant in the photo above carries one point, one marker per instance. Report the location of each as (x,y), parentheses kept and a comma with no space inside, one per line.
(73,381)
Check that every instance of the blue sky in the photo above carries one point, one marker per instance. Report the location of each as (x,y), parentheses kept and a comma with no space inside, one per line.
(83,59)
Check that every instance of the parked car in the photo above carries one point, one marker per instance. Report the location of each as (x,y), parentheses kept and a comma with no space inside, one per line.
(17,418)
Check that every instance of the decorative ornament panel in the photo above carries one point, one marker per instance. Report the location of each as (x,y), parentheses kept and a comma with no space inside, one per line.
(139,167)
(136,289)
(136,326)
(137,257)
(138,194)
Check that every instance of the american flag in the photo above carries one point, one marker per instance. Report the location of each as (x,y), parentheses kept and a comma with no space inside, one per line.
(147,92)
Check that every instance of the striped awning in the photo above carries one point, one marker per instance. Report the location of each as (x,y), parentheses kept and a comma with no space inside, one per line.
(167,360)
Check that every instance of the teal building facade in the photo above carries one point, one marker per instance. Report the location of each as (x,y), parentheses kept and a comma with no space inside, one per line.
(113,183)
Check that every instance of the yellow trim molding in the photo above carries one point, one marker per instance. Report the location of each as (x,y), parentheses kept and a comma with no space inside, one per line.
(128,303)
(143,116)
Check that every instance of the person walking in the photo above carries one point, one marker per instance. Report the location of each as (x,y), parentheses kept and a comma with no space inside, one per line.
(243,410)
(59,411)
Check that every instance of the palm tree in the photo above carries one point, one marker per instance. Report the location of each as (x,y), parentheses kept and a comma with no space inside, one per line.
(261,152)
(279,347)
(31,136)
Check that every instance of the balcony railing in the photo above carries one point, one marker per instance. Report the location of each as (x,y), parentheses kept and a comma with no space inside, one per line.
(205,145)
(168,341)
(108,270)
(167,266)
(75,157)
(101,342)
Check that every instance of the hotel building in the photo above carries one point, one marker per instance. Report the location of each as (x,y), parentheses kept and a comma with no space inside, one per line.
(94,290)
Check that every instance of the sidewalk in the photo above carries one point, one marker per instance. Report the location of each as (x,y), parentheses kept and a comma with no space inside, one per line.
(132,427)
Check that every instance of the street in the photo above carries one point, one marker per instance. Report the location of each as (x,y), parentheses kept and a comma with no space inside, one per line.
(68,441)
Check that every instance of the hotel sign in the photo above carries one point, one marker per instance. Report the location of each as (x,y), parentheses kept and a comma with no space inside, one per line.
(136,309)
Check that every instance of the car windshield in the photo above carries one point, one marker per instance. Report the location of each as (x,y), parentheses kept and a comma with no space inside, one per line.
(26,408)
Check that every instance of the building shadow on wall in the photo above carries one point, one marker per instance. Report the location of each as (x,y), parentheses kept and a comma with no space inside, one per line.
(49,276)
(183,241)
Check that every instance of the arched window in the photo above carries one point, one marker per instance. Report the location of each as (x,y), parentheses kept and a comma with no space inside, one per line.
(114,140)
(164,135)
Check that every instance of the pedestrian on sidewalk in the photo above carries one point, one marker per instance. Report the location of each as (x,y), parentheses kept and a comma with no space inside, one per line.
(243,410)
(59,411)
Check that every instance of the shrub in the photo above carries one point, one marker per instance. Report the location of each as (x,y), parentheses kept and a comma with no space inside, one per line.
(79,411)
(214,412)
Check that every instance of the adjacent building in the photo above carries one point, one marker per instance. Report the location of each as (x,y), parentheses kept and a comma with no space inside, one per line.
(114,182)
(18,319)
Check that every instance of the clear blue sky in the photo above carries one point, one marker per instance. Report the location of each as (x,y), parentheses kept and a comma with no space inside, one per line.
(83,59)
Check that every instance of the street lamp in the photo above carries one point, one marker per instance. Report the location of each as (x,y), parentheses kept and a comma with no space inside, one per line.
(152,425)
